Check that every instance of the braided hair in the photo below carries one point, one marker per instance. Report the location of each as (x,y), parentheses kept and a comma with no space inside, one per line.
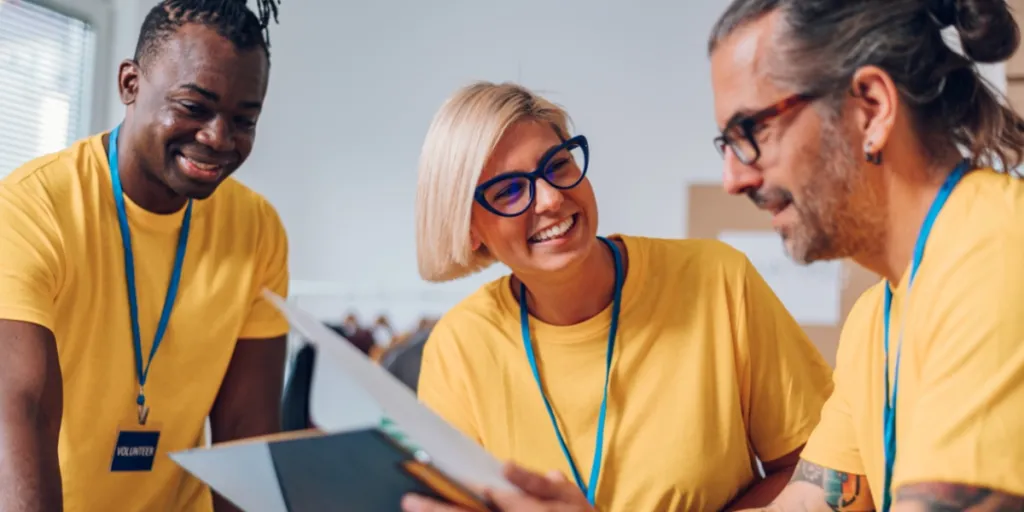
(232,19)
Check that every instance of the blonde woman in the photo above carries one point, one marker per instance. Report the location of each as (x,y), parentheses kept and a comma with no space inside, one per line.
(650,373)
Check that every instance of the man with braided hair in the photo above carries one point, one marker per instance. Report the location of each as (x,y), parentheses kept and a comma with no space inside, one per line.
(137,243)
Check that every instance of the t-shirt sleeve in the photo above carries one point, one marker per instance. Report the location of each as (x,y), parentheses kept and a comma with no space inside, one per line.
(785,379)
(443,381)
(264,320)
(31,262)
(833,443)
(967,418)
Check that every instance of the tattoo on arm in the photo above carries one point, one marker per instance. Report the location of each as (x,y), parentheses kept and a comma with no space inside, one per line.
(843,491)
(943,497)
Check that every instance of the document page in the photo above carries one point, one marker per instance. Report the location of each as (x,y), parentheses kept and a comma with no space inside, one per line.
(450,451)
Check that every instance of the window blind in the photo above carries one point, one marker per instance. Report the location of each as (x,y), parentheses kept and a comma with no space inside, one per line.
(46,66)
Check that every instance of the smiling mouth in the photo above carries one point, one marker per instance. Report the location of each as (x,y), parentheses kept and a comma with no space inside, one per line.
(199,170)
(555,232)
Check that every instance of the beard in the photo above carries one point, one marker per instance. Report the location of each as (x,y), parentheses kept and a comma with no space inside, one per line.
(838,209)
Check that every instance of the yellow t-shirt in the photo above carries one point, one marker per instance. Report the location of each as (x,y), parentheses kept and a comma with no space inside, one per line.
(709,370)
(62,267)
(960,409)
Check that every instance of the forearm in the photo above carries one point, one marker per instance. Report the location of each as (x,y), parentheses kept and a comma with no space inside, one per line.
(942,496)
(237,427)
(31,404)
(814,488)
(227,427)
(764,491)
(29,468)
(249,401)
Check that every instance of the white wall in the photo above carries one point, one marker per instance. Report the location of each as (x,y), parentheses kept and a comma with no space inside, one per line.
(354,85)
(342,129)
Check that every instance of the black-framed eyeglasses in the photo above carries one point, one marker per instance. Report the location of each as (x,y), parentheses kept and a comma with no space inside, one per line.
(739,134)
(512,193)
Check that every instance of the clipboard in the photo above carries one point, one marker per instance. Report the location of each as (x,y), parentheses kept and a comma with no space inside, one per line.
(353,460)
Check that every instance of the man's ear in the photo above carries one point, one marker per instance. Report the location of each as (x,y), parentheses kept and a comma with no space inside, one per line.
(128,75)
(876,101)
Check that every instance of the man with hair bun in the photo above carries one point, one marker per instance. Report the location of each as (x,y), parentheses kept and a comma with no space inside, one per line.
(867,137)
(133,247)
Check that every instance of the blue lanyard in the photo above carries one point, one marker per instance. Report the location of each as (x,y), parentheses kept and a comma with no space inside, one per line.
(889,409)
(524,320)
(129,270)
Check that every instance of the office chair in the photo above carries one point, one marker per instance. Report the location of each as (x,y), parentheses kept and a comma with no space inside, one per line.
(404,360)
(295,402)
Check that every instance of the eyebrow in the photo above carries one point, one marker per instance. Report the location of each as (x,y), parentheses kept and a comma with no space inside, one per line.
(548,153)
(740,115)
(212,96)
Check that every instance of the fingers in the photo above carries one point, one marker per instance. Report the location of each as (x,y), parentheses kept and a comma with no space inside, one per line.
(554,486)
(417,503)
(545,487)
(512,501)
(557,477)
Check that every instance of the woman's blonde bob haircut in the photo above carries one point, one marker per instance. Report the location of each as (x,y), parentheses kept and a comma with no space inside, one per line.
(459,141)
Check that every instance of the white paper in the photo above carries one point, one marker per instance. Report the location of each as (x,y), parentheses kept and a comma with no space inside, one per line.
(811,293)
(241,472)
(453,453)
(338,403)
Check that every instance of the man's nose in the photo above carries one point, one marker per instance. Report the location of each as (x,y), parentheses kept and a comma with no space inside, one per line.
(217,135)
(737,177)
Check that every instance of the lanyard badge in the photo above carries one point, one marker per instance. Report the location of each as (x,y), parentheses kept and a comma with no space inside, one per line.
(135,449)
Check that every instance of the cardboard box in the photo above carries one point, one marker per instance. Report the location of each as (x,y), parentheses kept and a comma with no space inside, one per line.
(713,212)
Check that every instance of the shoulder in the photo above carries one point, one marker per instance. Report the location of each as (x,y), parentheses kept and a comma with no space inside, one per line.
(699,265)
(967,291)
(50,178)
(36,195)
(977,243)
(476,323)
(867,304)
(235,202)
(703,254)
(987,194)
(986,209)
(238,196)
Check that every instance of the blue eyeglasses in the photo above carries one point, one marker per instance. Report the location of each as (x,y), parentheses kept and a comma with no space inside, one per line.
(510,194)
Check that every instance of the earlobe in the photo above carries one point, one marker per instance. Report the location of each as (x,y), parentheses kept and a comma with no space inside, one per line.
(474,241)
(871,155)
(128,81)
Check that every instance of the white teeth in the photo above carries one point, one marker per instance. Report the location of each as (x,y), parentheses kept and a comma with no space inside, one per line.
(554,231)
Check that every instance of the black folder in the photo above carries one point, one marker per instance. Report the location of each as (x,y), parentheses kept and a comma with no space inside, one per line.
(361,470)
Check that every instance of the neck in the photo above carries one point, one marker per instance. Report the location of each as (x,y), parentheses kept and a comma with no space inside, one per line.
(910,190)
(143,189)
(579,295)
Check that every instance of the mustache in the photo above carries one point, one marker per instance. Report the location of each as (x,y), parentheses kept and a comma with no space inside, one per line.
(766,199)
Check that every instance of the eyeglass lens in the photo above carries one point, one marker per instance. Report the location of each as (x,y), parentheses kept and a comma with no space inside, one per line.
(513,195)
